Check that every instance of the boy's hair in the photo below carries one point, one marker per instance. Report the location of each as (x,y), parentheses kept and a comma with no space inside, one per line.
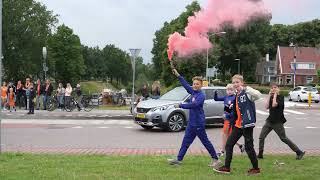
(198,78)
(230,86)
(238,76)
(274,84)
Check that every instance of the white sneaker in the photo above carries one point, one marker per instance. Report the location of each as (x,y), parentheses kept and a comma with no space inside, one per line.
(174,162)
(216,163)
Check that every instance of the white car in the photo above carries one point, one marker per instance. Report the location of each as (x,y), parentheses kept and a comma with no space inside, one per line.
(301,93)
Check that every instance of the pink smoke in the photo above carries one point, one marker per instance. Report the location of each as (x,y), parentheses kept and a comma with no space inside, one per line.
(210,19)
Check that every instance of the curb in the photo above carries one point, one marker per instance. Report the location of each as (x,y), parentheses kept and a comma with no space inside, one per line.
(132,151)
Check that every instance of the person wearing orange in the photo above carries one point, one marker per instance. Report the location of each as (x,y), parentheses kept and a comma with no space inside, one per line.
(11,100)
(4,92)
(228,115)
(244,121)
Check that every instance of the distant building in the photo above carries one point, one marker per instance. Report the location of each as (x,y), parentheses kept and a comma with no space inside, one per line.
(307,64)
(266,71)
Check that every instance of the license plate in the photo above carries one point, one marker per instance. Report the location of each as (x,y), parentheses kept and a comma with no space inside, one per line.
(141,115)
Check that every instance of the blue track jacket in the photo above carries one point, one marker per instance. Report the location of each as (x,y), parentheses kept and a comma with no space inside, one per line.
(195,104)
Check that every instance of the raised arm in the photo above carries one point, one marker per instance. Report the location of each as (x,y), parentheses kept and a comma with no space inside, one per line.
(253,94)
(217,98)
(183,82)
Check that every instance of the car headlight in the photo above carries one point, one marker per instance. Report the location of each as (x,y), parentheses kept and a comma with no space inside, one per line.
(160,108)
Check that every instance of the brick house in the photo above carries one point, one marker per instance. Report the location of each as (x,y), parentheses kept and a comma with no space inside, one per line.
(307,64)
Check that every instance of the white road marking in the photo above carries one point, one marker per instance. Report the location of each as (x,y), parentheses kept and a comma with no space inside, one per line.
(293,112)
(259,127)
(103,127)
(311,127)
(287,127)
(128,127)
(262,112)
(77,127)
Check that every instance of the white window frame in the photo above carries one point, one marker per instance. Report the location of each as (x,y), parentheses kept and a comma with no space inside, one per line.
(288,77)
(300,65)
(309,81)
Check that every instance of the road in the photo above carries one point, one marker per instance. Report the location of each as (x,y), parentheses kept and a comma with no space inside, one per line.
(98,133)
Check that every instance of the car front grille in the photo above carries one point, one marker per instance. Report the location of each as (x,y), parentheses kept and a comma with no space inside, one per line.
(143,110)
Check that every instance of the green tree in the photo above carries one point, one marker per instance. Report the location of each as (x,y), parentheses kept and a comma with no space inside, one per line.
(66,62)
(27,24)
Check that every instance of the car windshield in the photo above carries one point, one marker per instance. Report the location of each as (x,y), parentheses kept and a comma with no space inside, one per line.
(311,89)
(176,94)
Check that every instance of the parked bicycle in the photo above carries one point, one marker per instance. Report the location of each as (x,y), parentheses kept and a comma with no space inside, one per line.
(86,104)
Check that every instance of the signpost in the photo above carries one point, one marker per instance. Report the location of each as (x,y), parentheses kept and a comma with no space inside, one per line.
(134,55)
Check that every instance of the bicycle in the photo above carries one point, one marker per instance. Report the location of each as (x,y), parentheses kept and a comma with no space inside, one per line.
(86,102)
(53,103)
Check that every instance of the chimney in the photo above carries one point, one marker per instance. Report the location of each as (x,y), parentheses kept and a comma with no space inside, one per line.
(267,58)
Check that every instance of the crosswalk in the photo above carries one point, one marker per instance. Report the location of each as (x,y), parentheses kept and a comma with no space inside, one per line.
(286,112)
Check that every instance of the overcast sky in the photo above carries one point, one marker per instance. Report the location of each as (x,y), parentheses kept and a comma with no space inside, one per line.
(132,23)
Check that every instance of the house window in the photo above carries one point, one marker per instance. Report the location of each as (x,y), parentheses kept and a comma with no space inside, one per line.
(309,79)
(303,65)
(288,79)
(311,66)
(271,70)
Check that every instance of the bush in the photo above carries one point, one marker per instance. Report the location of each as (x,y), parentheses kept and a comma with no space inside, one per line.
(284,92)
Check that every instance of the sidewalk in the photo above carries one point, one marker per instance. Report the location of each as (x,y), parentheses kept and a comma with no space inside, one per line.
(57,114)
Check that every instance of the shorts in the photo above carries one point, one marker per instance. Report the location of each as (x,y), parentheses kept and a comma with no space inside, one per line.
(227,129)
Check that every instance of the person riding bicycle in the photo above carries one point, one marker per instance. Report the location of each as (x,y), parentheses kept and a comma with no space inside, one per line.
(79,97)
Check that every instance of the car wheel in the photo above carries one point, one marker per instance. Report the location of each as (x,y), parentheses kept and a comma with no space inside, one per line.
(175,122)
(147,127)
(299,99)
(316,101)
(290,99)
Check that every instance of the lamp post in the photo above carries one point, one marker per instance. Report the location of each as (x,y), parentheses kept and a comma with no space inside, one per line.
(294,63)
(238,65)
(0,69)
(217,33)
(44,65)
(134,54)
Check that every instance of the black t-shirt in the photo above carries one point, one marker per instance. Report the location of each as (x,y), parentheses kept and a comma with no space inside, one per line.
(276,113)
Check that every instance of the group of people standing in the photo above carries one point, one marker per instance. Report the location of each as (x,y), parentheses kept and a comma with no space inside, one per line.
(27,95)
(240,120)
(145,92)
(30,96)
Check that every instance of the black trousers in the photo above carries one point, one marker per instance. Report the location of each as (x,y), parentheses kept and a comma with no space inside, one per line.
(279,129)
(236,134)
(31,106)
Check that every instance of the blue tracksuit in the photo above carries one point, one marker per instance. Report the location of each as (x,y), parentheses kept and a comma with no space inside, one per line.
(227,101)
(196,123)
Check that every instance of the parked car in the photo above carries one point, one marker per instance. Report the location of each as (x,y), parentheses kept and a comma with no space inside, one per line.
(162,113)
(301,93)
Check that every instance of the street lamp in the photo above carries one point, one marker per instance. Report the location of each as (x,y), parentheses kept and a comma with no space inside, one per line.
(44,65)
(134,54)
(0,68)
(294,63)
(238,65)
(212,34)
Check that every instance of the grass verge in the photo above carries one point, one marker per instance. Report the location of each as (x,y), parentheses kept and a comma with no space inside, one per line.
(27,166)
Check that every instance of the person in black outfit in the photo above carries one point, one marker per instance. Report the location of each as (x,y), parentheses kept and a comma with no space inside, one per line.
(32,95)
(20,95)
(275,121)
